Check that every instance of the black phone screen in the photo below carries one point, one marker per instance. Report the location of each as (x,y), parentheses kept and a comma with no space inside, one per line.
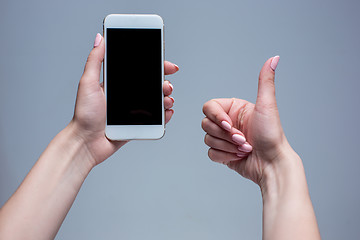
(134,76)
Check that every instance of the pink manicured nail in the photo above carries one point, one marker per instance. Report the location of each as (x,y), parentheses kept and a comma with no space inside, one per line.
(242,155)
(274,62)
(172,99)
(176,67)
(238,139)
(97,40)
(171,86)
(226,126)
(246,147)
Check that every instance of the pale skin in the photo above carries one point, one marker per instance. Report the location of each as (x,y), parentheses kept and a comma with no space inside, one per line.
(266,158)
(39,206)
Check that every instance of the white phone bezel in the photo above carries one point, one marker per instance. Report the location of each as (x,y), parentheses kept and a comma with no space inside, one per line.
(133,21)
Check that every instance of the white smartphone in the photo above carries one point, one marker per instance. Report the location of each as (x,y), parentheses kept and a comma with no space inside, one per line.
(134,76)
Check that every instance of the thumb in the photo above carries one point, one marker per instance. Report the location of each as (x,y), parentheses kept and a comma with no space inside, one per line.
(266,88)
(93,64)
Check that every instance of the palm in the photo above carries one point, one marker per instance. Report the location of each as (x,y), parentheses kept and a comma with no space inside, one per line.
(90,107)
(90,115)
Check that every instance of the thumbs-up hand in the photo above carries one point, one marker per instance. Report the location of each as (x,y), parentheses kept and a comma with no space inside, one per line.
(247,137)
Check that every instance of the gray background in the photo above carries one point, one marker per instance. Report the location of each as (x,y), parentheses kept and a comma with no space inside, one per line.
(169,189)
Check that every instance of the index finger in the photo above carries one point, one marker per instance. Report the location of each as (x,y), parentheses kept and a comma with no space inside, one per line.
(217,111)
(170,68)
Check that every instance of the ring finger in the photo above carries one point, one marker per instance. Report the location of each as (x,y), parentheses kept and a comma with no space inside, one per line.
(220,144)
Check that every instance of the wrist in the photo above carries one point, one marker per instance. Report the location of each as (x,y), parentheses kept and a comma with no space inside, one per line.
(73,149)
(287,209)
(284,177)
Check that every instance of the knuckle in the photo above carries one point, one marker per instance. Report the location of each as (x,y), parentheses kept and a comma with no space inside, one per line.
(90,58)
(204,124)
(211,154)
(266,107)
(207,106)
(206,139)
(233,100)
(269,78)
(218,116)
(93,57)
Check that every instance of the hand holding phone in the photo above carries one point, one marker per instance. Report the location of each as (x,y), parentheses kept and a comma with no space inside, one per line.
(134,63)
(90,109)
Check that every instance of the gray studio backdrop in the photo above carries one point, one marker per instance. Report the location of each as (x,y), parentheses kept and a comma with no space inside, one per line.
(169,189)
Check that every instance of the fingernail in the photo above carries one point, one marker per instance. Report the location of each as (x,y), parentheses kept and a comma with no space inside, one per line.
(274,62)
(238,139)
(246,147)
(172,99)
(176,67)
(171,86)
(226,126)
(242,154)
(97,40)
